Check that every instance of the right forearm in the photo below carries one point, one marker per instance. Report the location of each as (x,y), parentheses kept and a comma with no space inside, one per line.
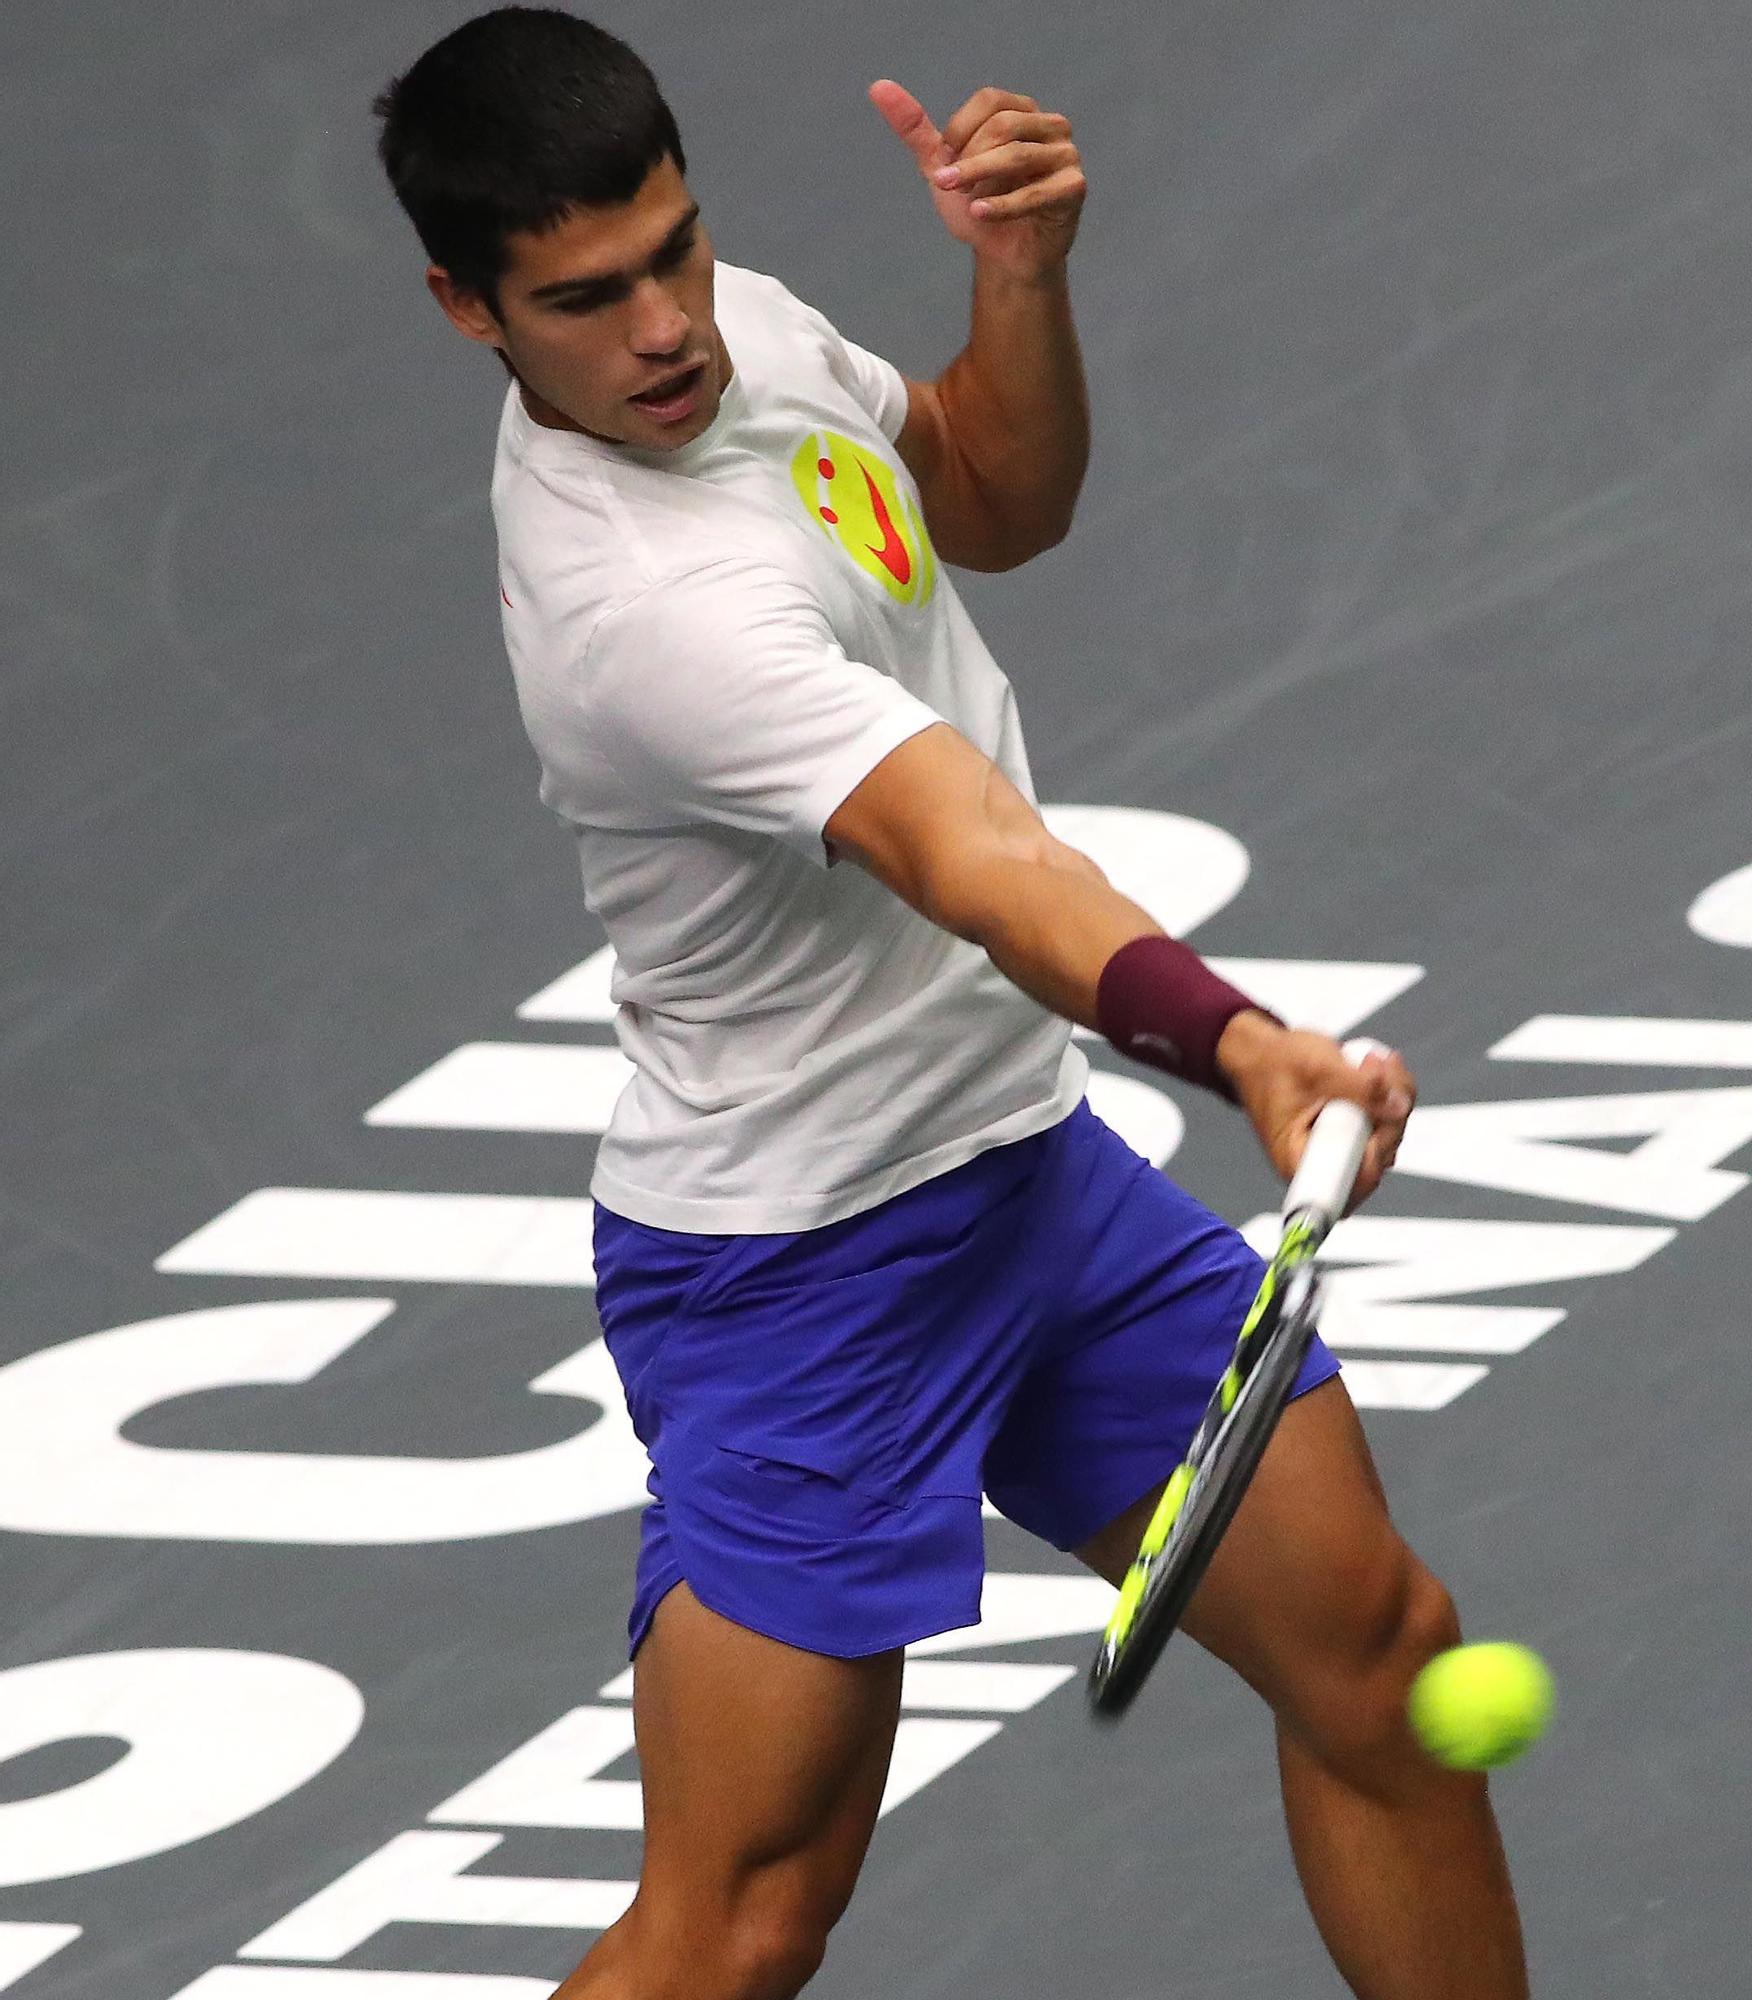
(942,826)
(1055,927)
(1050,923)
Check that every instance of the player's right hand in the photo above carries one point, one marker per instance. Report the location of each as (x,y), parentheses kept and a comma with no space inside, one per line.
(1283,1077)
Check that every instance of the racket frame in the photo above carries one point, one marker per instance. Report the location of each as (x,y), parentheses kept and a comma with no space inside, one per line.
(1223,1458)
(1203,1492)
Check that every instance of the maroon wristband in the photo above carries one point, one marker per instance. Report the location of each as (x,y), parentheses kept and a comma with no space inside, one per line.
(1158,1002)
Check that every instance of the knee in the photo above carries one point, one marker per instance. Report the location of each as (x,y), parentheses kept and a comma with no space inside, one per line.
(1407,1622)
(773,1948)
(774,1934)
(765,1940)
(1428,1625)
(1355,1717)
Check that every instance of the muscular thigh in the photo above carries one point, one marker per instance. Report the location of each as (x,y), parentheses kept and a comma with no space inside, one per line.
(763,1768)
(1312,1575)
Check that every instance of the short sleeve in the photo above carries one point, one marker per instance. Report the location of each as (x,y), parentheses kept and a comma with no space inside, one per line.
(722,696)
(875,385)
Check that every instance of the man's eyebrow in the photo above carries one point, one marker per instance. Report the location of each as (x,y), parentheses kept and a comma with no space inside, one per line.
(606,280)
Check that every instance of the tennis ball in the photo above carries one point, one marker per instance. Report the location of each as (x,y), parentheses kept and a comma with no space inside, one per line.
(1475,1706)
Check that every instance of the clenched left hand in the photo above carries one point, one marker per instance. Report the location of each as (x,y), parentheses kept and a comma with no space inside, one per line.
(1006,177)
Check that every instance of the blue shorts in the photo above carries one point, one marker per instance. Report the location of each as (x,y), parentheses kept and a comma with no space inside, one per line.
(825,1409)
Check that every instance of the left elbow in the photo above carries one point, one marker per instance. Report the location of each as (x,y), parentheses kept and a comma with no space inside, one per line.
(1049,520)
(1055,533)
(1040,537)
(1031,539)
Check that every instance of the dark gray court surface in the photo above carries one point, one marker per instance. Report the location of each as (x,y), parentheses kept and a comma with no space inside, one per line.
(1414,554)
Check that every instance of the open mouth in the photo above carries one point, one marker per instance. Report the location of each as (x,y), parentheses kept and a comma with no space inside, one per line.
(669,398)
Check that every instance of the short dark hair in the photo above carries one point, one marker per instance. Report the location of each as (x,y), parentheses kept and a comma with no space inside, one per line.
(510,121)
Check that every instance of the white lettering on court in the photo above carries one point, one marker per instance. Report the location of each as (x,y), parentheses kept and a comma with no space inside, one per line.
(1723,912)
(1399,1262)
(306,1982)
(23,1947)
(210,1737)
(66,1468)
(1528,1146)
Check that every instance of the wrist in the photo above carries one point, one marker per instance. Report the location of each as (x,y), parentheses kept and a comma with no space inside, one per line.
(1158,1002)
(1052,276)
(1246,1042)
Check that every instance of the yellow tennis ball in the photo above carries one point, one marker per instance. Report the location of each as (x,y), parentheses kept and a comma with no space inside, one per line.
(1475,1706)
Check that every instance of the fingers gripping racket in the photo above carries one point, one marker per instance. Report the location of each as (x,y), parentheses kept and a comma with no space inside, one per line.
(1204,1490)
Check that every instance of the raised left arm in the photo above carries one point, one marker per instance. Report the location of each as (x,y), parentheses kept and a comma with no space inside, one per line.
(998,444)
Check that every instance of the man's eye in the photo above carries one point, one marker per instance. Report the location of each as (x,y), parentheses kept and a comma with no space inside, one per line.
(669,259)
(678,253)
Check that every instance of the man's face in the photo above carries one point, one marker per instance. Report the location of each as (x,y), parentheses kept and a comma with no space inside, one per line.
(609,303)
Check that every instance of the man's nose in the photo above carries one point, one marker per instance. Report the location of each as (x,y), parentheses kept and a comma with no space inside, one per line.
(659,324)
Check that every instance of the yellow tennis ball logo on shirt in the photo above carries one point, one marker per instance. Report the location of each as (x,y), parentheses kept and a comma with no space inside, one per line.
(858,502)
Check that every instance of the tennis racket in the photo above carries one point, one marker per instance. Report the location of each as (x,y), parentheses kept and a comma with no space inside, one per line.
(1204,1490)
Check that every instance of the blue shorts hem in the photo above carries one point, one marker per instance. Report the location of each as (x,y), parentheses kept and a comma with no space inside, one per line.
(1321,1365)
(837,1646)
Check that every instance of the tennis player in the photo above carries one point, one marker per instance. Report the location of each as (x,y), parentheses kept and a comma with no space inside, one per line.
(863,1250)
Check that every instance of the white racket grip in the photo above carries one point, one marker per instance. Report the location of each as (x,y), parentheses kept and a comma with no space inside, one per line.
(1334,1151)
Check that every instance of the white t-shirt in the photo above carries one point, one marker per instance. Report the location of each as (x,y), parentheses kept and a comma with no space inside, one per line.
(713,646)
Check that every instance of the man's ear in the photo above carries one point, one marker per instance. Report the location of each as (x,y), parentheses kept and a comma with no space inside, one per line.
(465,309)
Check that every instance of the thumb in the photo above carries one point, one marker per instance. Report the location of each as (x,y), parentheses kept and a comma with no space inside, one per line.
(907,120)
(1386,1098)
